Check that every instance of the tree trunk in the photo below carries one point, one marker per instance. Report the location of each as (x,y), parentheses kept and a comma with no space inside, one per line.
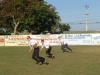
(15,28)
(16,25)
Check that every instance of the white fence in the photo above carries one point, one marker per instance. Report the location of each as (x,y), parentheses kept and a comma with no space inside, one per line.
(71,39)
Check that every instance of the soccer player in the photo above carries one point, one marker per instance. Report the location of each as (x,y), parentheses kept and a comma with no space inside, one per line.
(63,44)
(34,45)
(47,47)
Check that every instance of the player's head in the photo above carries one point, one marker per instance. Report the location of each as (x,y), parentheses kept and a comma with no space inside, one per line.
(59,37)
(42,41)
(28,37)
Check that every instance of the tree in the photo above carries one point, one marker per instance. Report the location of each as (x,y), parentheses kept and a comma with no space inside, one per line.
(65,27)
(45,16)
(61,27)
(20,15)
(11,12)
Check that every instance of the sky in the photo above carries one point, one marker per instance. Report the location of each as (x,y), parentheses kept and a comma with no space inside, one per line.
(73,12)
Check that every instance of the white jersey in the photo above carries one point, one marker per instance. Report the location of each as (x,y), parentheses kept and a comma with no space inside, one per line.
(46,45)
(32,36)
(32,42)
(61,41)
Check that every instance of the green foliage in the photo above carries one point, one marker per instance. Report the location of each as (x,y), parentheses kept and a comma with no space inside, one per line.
(34,15)
(64,27)
(60,28)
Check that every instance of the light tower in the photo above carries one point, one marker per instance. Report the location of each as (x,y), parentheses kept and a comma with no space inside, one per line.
(86,17)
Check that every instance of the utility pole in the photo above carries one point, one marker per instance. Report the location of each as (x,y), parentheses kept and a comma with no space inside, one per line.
(86,17)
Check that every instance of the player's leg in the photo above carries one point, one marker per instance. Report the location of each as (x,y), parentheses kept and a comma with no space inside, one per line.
(68,48)
(49,52)
(63,48)
(33,56)
(36,52)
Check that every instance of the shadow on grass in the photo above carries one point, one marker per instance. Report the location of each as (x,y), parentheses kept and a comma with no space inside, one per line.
(67,51)
(42,60)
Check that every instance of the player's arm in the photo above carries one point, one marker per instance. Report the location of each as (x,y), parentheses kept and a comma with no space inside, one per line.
(59,43)
(30,48)
(63,42)
(41,48)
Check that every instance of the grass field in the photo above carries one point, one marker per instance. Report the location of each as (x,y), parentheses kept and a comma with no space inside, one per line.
(84,61)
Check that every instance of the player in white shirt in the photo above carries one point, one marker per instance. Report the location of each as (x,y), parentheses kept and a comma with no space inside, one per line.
(47,47)
(34,45)
(63,44)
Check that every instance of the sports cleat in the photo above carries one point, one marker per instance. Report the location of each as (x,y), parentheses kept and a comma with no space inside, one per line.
(72,51)
(53,56)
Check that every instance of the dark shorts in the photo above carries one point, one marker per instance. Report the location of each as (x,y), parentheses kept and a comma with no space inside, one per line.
(36,53)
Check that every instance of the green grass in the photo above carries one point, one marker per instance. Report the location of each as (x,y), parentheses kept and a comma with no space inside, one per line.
(84,61)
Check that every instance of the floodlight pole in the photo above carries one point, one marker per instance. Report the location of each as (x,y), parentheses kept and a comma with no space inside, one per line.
(86,17)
